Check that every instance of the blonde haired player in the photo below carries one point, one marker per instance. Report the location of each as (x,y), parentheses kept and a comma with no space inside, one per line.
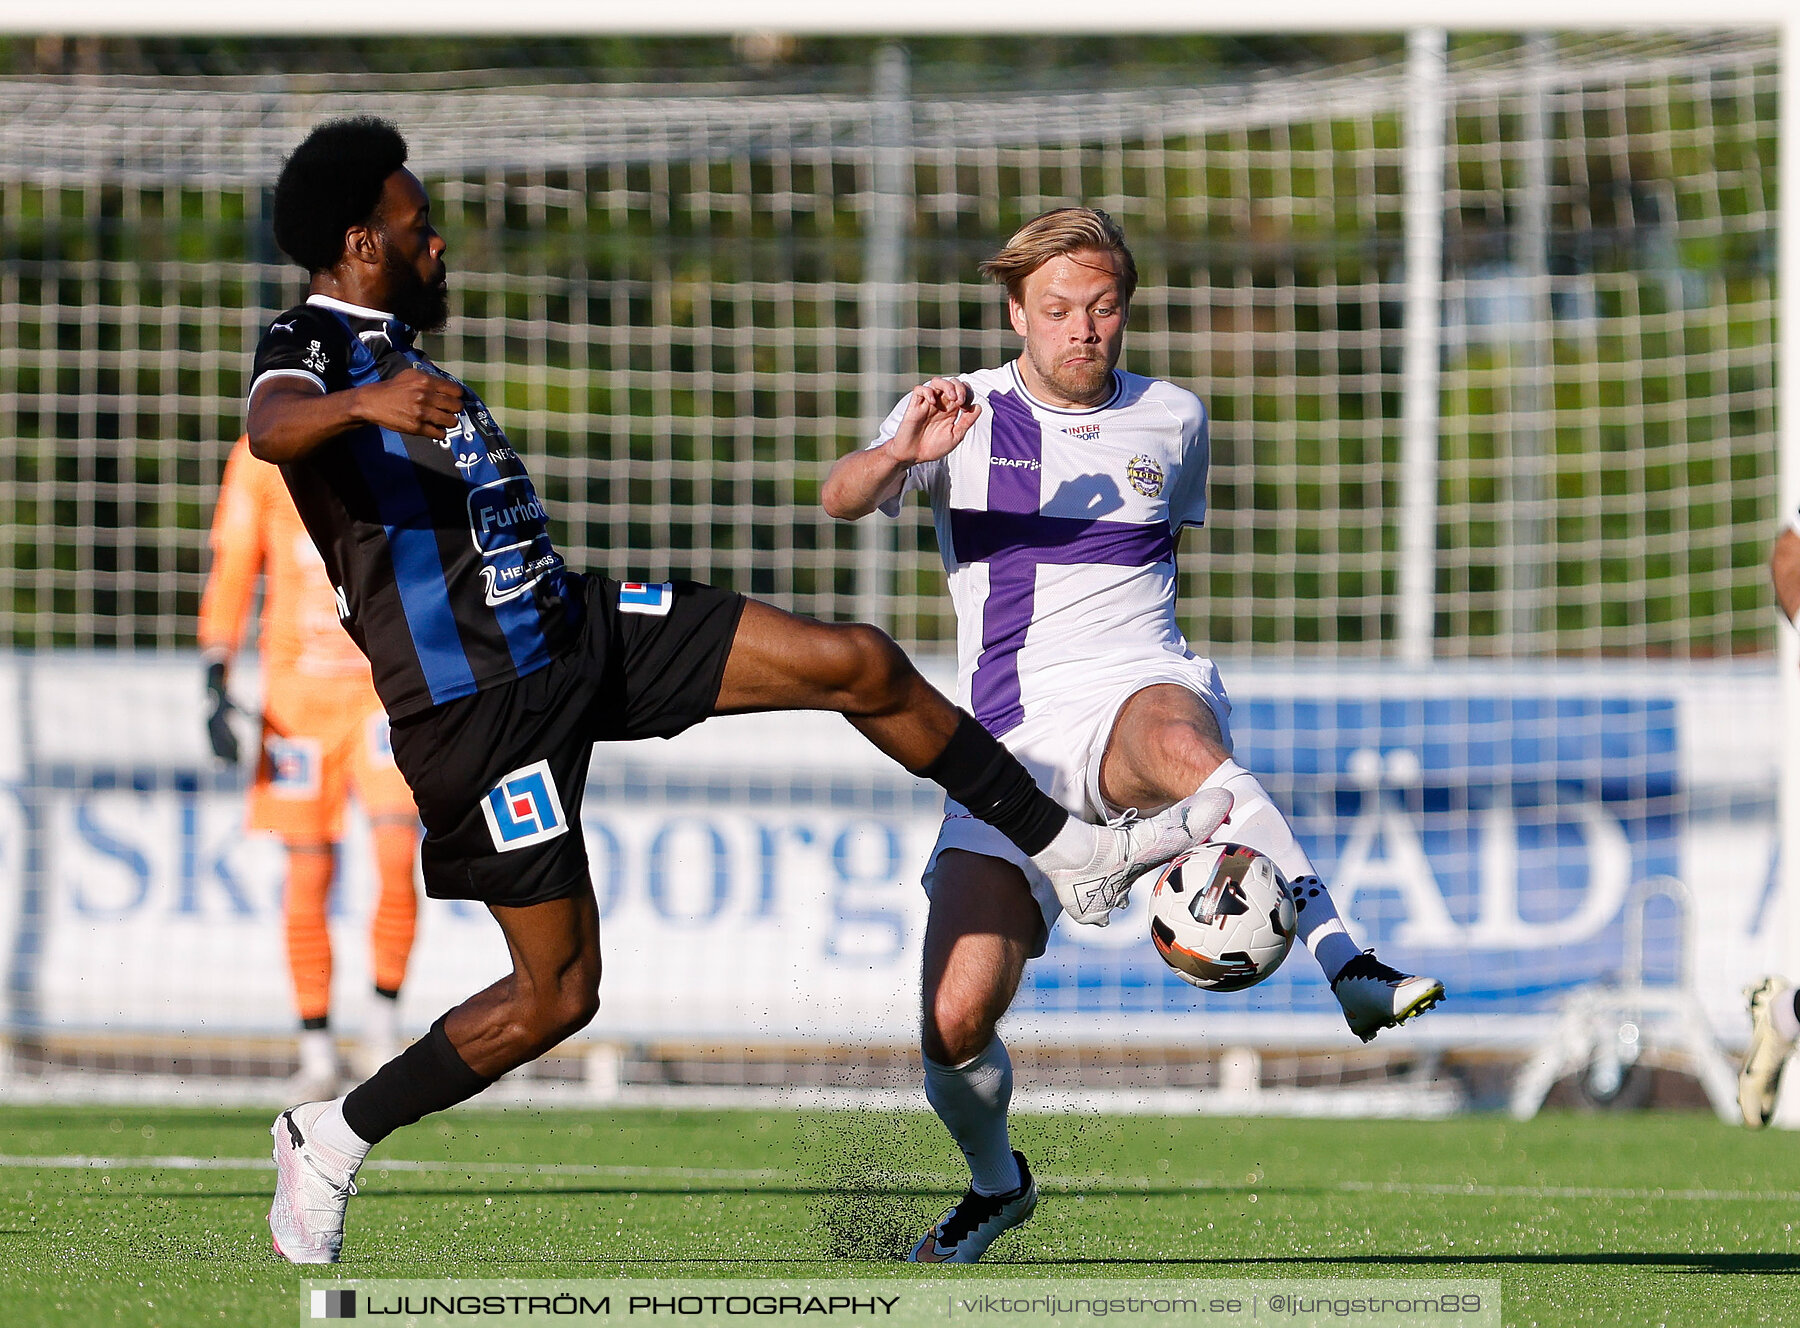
(324,737)
(1058,484)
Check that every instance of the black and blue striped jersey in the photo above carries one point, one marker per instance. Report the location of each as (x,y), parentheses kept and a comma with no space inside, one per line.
(440,552)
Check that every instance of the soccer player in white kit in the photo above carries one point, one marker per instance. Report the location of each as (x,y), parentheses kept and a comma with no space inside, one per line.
(1059,483)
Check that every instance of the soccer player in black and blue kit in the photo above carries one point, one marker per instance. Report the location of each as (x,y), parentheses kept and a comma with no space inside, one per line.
(500,667)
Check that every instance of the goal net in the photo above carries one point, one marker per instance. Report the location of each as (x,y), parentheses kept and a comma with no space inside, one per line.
(1508,660)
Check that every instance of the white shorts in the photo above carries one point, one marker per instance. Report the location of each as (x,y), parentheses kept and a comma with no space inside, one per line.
(1062,744)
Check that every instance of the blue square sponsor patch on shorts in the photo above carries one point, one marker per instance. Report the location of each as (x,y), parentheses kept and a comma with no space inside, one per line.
(654,599)
(524,808)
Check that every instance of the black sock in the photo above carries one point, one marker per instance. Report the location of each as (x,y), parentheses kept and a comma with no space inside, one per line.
(428,1076)
(316,1023)
(976,770)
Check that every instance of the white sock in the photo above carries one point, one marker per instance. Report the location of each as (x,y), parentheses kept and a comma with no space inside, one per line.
(1782,1015)
(332,1134)
(1257,822)
(318,1054)
(1077,846)
(971,1099)
(384,1019)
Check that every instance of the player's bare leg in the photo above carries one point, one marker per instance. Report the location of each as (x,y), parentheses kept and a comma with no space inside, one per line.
(552,991)
(1165,743)
(980,931)
(780,661)
(311,864)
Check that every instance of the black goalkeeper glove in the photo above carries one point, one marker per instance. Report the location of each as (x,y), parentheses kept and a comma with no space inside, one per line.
(218,720)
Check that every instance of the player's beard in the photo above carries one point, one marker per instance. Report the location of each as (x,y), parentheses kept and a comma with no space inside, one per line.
(1088,382)
(421,305)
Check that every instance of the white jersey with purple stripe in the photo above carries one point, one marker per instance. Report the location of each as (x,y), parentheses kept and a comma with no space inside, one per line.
(1058,531)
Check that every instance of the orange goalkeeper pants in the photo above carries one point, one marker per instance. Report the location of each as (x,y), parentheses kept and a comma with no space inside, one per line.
(311,867)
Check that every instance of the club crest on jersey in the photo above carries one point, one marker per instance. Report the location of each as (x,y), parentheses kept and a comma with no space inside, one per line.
(643,597)
(1087,433)
(523,809)
(1145,476)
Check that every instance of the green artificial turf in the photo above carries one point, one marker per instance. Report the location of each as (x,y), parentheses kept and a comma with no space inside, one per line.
(1614,1219)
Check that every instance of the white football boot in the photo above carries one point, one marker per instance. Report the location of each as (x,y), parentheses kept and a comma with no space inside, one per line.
(311,1190)
(963,1233)
(1117,855)
(1759,1081)
(1375,996)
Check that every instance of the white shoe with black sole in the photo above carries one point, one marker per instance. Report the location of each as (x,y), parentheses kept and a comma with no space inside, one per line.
(1374,996)
(963,1234)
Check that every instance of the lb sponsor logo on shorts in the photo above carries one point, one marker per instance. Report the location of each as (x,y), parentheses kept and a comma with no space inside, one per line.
(523,809)
(295,766)
(643,597)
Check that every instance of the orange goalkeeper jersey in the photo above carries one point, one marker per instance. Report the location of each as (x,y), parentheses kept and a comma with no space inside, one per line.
(310,664)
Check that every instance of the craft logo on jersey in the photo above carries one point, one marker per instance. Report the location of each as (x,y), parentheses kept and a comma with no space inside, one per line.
(1087,433)
(523,809)
(1145,475)
(646,598)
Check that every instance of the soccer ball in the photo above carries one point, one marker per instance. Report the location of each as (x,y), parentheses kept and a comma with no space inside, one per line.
(1222,917)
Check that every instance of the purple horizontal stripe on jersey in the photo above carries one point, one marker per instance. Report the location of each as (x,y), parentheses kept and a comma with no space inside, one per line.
(1015,545)
(993,537)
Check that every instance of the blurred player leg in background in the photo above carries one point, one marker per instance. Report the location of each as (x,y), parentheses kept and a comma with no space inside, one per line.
(1774,1028)
(310,868)
(394,827)
(301,791)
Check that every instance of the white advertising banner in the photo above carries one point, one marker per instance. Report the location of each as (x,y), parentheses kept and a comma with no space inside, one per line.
(1522,835)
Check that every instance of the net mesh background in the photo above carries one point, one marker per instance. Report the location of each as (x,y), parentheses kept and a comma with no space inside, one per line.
(665,294)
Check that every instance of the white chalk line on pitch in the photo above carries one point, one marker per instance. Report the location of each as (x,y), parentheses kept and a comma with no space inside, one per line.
(1054,1184)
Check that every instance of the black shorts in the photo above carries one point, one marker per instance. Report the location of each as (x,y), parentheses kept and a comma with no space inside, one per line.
(499,775)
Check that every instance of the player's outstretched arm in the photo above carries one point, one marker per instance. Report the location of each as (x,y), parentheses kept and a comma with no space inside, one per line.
(938,416)
(289,416)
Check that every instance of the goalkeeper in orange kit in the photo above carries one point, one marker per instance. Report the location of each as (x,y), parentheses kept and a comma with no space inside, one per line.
(324,737)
